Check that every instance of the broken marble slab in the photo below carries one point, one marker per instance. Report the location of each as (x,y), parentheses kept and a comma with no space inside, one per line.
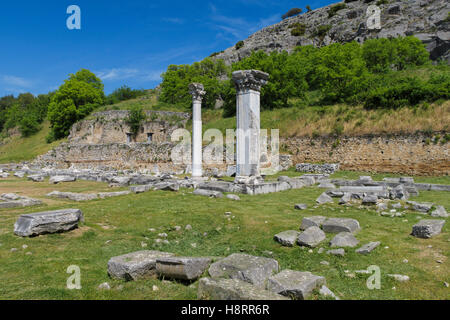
(39,223)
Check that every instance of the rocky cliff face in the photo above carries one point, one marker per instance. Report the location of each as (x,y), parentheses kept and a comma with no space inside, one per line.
(426,19)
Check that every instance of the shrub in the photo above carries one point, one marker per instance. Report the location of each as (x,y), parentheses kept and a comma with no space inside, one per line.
(136,116)
(239,45)
(334,9)
(408,92)
(322,30)
(297,29)
(308,8)
(381,2)
(29,125)
(291,13)
(124,93)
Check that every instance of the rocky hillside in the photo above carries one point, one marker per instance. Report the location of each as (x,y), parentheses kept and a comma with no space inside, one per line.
(426,19)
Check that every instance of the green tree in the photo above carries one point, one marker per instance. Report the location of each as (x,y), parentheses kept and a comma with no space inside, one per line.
(340,71)
(410,52)
(74,100)
(136,116)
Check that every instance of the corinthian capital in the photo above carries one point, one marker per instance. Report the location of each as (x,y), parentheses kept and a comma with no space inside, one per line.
(249,80)
(197,91)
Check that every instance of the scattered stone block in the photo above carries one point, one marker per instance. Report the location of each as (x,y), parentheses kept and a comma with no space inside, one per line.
(135,265)
(439,212)
(295,284)
(104,195)
(36,178)
(427,228)
(337,252)
(208,193)
(233,289)
(39,223)
(335,225)
(311,237)
(182,268)
(315,221)
(370,200)
(399,277)
(59,179)
(344,239)
(326,185)
(300,206)
(233,197)
(324,198)
(367,248)
(421,207)
(287,238)
(324,291)
(346,198)
(252,269)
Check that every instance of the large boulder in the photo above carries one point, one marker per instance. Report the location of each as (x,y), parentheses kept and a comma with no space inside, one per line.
(427,228)
(233,289)
(439,212)
(135,265)
(295,284)
(344,239)
(34,224)
(336,225)
(315,221)
(58,179)
(252,269)
(311,237)
(182,268)
(324,198)
(287,238)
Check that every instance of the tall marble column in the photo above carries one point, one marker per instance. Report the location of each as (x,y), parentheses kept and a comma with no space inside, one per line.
(248,86)
(197,91)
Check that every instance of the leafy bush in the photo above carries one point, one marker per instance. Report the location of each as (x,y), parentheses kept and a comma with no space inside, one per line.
(29,125)
(322,30)
(74,100)
(136,116)
(382,55)
(334,9)
(381,2)
(124,93)
(409,92)
(291,13)
(308,8)
(239,45)
(297,29)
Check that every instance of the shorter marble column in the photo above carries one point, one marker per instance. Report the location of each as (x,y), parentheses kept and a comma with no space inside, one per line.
(197,91)
(248,86)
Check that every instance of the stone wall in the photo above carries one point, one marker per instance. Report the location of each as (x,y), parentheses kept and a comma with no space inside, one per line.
(411,154)
(110,127)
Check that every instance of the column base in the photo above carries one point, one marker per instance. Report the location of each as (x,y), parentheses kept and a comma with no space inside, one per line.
(249,180)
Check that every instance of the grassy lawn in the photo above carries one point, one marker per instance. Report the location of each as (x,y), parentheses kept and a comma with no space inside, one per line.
(121,225)
(16,149)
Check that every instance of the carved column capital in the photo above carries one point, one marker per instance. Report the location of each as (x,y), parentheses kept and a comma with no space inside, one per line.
(249,80)
(197,91)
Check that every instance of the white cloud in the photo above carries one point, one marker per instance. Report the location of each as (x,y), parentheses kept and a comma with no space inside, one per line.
(15,81)
(117,74)
(238,28)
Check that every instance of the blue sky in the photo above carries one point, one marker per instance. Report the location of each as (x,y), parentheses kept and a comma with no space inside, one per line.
(124,42)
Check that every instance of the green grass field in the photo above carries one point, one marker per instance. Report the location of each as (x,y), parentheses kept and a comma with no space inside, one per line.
(121,225)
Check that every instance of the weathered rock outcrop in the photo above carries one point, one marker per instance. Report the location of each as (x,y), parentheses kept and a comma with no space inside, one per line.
(425,19)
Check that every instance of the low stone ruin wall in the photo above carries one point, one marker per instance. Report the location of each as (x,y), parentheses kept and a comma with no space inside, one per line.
(414,154)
